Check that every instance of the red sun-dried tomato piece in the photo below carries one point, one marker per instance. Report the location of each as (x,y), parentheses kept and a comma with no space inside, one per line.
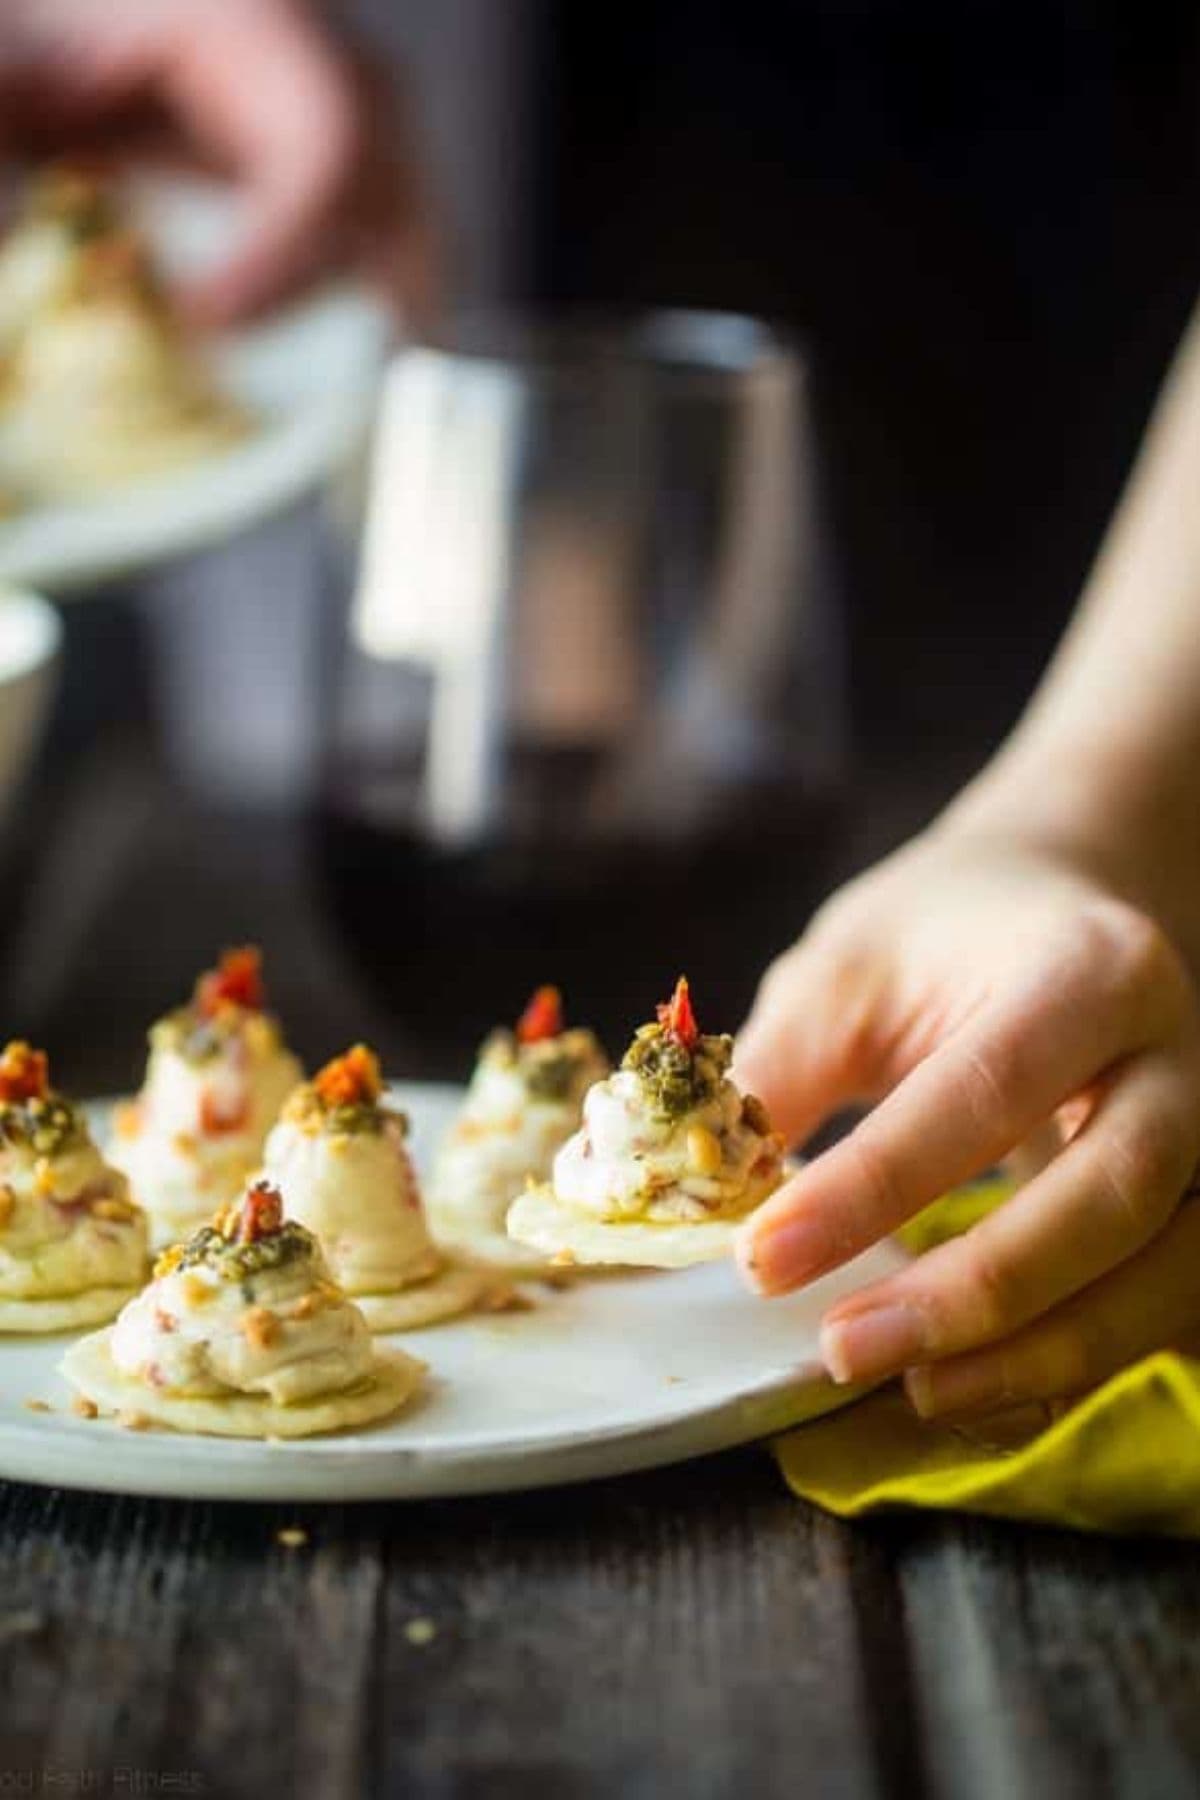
(542,1018)
(260,1214)
(677,1018)
(350,1080)
(236,981)
(24,1073)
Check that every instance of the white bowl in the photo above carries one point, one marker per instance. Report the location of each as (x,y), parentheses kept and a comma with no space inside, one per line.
(30,639)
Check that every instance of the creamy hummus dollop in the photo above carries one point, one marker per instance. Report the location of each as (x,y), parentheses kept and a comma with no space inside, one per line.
(524,1101)
(668,1138)
(246,1306)
(342,1158)
(67,1224)
(217,1074)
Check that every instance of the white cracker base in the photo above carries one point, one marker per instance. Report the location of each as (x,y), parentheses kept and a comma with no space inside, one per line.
(89,1367)
(65,1312)
(456,1289)
(566,1233)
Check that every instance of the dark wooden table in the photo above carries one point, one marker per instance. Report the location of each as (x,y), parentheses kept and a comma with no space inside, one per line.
(694,1631)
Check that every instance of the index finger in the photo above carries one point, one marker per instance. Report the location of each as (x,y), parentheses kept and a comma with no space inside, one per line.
(958,1112)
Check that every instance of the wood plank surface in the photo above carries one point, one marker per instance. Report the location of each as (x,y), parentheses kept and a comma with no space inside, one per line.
(694,1631)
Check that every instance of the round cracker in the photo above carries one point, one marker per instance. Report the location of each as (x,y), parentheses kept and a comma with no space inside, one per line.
(394,1379)
(458,1287)
(64,1312)
(540,1219)
(487,1245)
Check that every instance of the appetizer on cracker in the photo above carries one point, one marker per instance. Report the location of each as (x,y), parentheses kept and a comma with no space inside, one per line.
(102,386)
(73,1247)
(217,1075)
(242,1332)
(340,1154)
(524,1101)
(669,1159)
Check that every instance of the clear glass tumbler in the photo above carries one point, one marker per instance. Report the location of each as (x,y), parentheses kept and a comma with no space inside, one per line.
(584,700)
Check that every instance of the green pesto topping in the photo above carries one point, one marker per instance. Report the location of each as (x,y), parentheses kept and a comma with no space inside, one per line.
(363,1117)
(674,1079)
(551,1067)
(47,1126)
(359,1118)
(548,1076)
(237,1262)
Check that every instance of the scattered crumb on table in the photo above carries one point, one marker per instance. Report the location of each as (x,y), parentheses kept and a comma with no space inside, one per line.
(132,1421)
(292,1537)
(83,1408)
(38,1406)
(420,1631)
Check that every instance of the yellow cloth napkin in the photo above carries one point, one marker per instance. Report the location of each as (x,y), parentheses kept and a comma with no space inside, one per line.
(1126,1458)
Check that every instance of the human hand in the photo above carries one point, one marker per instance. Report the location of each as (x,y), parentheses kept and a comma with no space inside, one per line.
(256,92)
(978,988)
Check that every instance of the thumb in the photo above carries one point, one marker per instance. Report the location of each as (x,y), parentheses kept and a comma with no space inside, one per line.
(807,1047)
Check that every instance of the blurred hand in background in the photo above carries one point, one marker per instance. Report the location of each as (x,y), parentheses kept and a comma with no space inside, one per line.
(258,92)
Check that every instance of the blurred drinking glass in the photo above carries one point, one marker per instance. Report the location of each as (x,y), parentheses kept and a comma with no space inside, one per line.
(584,694)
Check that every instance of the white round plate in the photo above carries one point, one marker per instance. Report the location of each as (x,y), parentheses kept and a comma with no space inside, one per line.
(613,1374)
(309,374)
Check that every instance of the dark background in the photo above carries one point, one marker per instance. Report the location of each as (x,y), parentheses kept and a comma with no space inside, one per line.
(984,220)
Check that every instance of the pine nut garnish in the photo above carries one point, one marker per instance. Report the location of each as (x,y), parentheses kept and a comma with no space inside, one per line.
(704,1150)
(110,1207)
(260,1327)
(43,1176)
(83,1408)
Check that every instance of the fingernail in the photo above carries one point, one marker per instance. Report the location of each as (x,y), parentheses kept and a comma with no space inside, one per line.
(918,1385)
(951,1389)
(870,1344)
(776,1258)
